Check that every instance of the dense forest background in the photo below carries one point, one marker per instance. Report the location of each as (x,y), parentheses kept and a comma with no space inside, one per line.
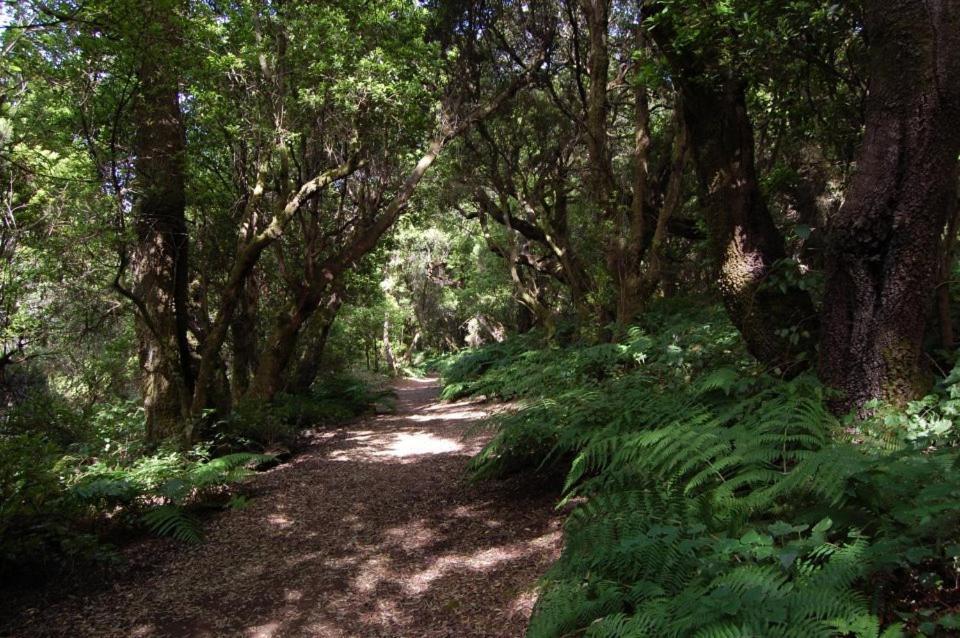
(707,248)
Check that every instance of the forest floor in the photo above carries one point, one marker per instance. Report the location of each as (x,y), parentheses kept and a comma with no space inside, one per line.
(374,530)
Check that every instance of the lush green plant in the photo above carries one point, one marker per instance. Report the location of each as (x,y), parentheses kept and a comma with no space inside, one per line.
(718,501)
(159,489)
(58,483)
(35,513)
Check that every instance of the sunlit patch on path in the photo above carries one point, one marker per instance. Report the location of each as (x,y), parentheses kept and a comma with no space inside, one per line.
(374,531)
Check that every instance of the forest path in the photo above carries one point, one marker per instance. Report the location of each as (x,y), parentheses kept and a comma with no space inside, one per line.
(374,530)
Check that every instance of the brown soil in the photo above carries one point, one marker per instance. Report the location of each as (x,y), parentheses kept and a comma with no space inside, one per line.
(374,531)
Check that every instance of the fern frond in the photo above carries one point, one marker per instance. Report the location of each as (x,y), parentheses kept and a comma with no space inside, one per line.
(171,520)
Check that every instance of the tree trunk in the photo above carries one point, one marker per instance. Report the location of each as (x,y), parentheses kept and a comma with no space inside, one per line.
(160,258)
(308,366)
(412,349)
(947,338)
(776,325)
(388,357)
(885,244)
(271,371)
(653,245)
(243,332)
(600,177)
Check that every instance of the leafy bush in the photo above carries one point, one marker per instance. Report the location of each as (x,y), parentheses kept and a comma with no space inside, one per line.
(35,513)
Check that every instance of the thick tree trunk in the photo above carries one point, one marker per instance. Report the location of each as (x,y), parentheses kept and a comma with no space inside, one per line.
(945,315)
(160,259)
(885,242)
(777,326)
(271,371)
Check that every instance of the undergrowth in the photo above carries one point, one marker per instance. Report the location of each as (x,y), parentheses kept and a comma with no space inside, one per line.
(255,425)
(714,500)
(72,481)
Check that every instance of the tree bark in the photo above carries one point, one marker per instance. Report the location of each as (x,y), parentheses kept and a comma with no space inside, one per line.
(388,347)
(745,241)
(243,339)
(777,326)
(885,244)
(600,176)
(248,255)
(311,357)
(160,258)
(652,246)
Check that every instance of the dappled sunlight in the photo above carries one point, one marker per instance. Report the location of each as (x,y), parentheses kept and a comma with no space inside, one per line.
(278,520)
(480,561)
(386,614)
(267,630)
(464,511)
(371,573)
(424,381)
(420,443)
(524,602)
(458,415)
(398,445)
(374,531)
(413,536)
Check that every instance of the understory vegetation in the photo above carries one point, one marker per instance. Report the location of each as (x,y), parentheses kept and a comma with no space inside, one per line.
(713,499)
(74,483)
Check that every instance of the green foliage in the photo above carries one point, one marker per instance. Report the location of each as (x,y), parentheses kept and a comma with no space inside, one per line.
(332,399)
(74,476)
(163,487)
(714,500)
(173,521)
(33,506)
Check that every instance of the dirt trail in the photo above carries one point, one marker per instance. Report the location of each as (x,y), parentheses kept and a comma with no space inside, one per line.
(373,531)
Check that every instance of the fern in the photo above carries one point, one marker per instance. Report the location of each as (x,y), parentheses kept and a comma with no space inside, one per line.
(712,500)
(169,478)
(172,520)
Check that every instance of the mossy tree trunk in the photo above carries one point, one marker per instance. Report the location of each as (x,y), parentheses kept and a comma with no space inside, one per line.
(746,244)
(777,324)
